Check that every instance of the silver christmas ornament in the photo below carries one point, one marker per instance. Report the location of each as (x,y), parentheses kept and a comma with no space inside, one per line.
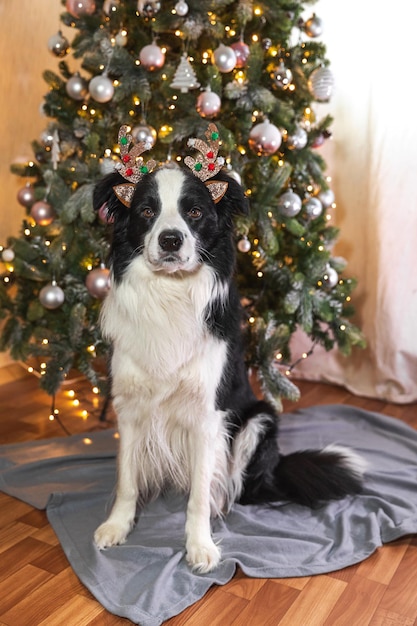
(297,140)
(313,27)
(313,208)
(26,195)
(7,255)
(109,6)
(244,245)
(144,132)
(76,87)
(47,138)
(42,213)
(326,197)
(330,278)
(152,57)
(224,58)
(289,204)
(58,45)
(51,296)
(101,89)
(98,282)
(181,8)
(281,76)
(264,138)
(107,165)
(321,84)
(208,103)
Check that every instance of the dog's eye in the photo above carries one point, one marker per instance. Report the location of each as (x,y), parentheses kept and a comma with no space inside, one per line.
(195,213)
(147,212)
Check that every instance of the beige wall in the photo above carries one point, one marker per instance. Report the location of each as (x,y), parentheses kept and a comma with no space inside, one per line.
(24,55)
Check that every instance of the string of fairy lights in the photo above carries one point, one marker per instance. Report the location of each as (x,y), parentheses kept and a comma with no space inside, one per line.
(103,90)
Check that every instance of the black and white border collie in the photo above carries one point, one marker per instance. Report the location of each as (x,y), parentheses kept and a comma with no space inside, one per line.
(187,415)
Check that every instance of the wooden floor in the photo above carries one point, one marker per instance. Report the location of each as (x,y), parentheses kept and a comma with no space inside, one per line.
(37,585)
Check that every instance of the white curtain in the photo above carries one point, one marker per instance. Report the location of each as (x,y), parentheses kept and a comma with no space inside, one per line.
(372,160)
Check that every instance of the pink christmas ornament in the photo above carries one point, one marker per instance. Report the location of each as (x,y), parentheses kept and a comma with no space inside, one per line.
(42,213)
(152,57)
(264,138)
(241,50)
(78,8)
(208,103)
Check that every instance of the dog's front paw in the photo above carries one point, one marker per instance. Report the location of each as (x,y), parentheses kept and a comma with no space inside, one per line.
(203,557)
(110,534)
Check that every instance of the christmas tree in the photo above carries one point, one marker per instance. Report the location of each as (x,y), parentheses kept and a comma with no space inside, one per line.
(167,69)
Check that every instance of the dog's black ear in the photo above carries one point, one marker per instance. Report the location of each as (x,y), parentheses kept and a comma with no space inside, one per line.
(234,201)
(105,196)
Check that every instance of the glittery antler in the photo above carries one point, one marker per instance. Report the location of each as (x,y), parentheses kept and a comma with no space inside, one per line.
(207,163)
(132,166)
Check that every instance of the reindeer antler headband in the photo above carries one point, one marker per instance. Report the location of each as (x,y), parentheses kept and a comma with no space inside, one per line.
(133,167)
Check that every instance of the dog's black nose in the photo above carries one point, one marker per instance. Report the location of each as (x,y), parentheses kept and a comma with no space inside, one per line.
(170,240)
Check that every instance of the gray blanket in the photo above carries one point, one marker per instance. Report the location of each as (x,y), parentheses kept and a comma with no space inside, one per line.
(147,579)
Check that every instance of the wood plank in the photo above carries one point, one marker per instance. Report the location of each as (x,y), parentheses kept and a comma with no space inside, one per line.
(402,592)
(80,607)
(19,584)
(383,617)
(383,564)
(314,604)
(357,604)
(267,607)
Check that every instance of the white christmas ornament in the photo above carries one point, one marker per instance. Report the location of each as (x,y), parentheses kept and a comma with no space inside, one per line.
(244,245)
(152,57)
(76,87)
(184,77)
(181,8)
(224,58)
(289,204)
(298,139)
(208,103)
(321,84)
(51,296)
(101,89)
(313,208)
(265,138)
(330,278)
(326,197)
(7,255)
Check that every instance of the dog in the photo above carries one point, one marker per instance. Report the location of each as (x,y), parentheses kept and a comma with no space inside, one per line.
(187,415)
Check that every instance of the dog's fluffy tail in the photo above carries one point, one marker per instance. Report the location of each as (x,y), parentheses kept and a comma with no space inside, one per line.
(309,477)
(312,477)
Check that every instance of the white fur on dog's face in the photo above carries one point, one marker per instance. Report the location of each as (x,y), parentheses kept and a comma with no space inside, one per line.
(186,257)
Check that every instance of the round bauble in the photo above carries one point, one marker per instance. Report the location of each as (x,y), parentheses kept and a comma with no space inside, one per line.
(264,139)
(26,195)
(208,103)
(289,204)
(42,213)
(242,51)
(76,87)
(244,245)
(281,76)
(7,255)
(58,45)
(297,140)
(152,57)
(224,58)
(78,8)
(235,175)
(98,282)
(318,141)
(330,278)
(321,84)
(107,165)
(313,27)
(326,197)
(145,133)
(101,89)
(51,296)
(313,208)
(109,6)
(181,8)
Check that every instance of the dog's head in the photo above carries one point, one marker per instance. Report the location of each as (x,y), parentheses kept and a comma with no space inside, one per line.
(172,221)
